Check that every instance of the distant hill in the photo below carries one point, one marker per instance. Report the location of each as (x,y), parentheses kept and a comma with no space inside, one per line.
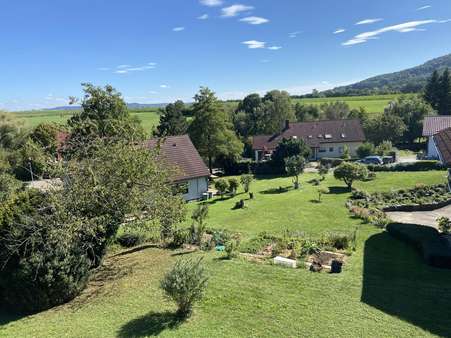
(129,105)
(410,80)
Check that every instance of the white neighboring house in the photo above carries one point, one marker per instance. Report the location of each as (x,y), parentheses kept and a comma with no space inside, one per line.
(326,138)
(192,173)
(432,125)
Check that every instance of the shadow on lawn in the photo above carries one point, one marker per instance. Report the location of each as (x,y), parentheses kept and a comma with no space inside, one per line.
(276,191)
(397,282)
(339,190)
(6,318)
(151,324)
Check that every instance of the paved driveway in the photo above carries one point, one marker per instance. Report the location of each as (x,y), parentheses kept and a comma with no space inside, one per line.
(428,218)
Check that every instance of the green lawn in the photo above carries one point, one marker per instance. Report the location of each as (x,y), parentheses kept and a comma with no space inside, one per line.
(385,289)
(148,117)
(373,104)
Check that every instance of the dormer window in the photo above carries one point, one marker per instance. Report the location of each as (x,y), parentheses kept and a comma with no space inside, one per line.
(328,136)
(343,135)
(320,136)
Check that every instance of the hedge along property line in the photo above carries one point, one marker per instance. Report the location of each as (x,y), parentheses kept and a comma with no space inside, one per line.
(427,240)
(415,166)
(418,207)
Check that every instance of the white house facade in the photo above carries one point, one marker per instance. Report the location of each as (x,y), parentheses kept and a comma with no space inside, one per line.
(432,125)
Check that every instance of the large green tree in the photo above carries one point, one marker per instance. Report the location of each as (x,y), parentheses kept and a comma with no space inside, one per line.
(211,129)
(411,110)
(104,116)
(172,120)
(432,90)
(444,106)
(384,127)
(278,109)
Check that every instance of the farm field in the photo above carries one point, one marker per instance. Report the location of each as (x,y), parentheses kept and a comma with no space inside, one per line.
(372,104)
(148,117)
(247,299)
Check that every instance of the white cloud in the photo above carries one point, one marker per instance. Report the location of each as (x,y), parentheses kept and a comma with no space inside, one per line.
(406,27)
(234,10)
(424,7)
(125,69)
(340,30)
(152,64)
(164,86)
(254,20)
(274,48)
(121,71)
(123,66)
(203,17)
(178,29)
(368,21)
(294,34)
(254,44)
(264,61)
(211,3)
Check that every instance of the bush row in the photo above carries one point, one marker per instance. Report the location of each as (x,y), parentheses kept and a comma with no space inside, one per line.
(414,166)
(427,240)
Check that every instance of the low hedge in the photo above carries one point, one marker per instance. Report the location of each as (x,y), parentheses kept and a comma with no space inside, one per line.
(427,240)
(414,166)
(331,162)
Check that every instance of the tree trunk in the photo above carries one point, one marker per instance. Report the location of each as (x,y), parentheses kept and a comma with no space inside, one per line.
(210,165)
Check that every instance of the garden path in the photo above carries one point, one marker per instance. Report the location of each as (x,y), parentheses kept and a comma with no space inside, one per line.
(428,218)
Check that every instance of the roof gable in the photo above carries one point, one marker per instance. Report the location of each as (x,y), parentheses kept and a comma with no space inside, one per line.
(443,143)
(180,152)
(434,124)
(314,133)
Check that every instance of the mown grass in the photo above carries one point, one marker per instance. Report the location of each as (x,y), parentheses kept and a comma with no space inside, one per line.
(384,291)
(372,104)
(149,117)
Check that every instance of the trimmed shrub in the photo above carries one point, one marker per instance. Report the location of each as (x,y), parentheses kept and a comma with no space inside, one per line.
(233,185)
(221,186)
(185,284)
(444,225)
(365,150)
(231,248)
(414,166)
(130,239)
(426,240)
(331,162)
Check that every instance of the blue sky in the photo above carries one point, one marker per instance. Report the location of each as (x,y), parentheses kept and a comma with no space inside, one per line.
(157,51)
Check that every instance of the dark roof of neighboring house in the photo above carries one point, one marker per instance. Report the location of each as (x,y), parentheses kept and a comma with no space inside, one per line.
(180,152)
(443,142)
(314,134)
(433,124)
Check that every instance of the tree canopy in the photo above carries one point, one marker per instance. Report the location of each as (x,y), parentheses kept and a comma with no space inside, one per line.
(172,120)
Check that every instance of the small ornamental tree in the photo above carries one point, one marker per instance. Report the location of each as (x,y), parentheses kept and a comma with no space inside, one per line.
(185,284)
(288,148)
(321,191)
(221,186)
(294,166)
(199,216)
(365,150)
(246,181)
(323,170)
(444,225)
(346,153)
(350,172)
(233,185)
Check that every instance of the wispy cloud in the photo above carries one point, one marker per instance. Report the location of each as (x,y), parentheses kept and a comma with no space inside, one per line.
(405,27)
(178,29)
(254,44)
(340,30)
(125,69)
(254,20)
(203,17)
(293,35)
(164,86)
(211,3)
(274,47)
(423,8)
(368,21)
(234,10)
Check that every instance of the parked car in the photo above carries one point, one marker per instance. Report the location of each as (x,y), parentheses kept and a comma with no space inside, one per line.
(377,160)
(388,159)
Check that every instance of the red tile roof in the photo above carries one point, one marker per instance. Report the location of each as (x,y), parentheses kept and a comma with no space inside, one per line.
(433,124)
(180,152)
(314,134)
(443,142)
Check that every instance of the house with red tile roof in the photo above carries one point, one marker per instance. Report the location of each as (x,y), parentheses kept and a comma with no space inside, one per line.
(325,138)
(432,125)
(191,172)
